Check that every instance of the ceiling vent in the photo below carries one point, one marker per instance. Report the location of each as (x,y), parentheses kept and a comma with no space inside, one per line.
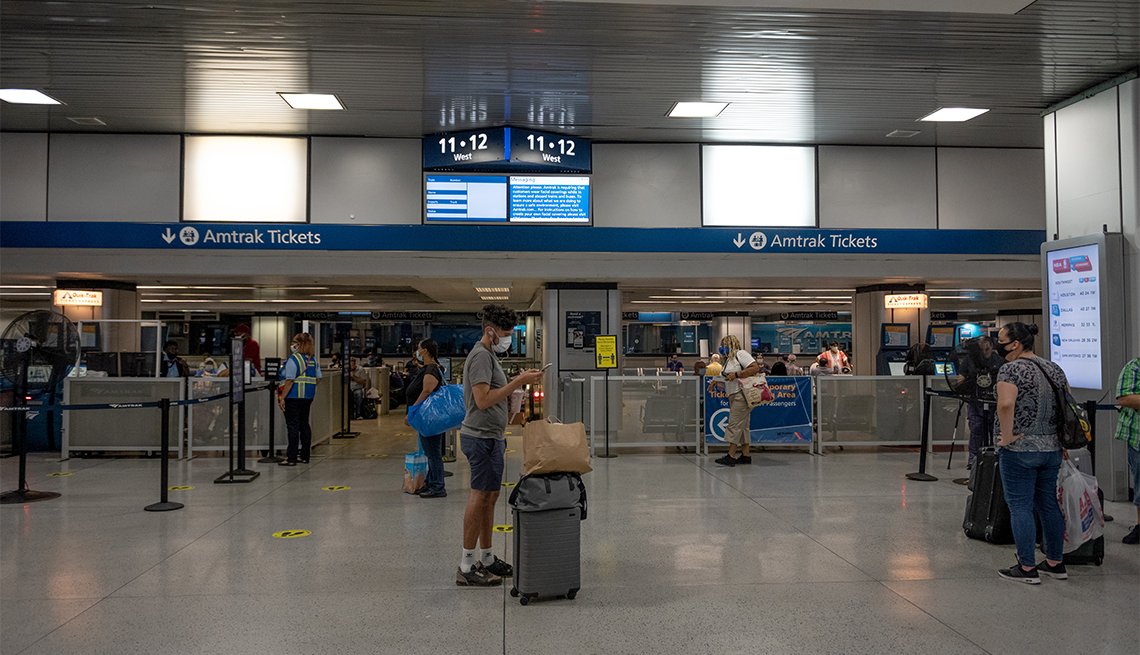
(903,134)
(86,121)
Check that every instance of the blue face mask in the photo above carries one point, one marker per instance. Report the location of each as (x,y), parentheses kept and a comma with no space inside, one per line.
(419,357)
(723,350)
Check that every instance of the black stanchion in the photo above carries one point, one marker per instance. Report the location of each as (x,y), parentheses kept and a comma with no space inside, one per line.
(346,395)
(241,469)
(22,494)
(922,475)
(271,457)
(236,396)
(164,504)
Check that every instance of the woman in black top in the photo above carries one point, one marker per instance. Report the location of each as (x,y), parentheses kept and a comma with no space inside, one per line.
(427,379)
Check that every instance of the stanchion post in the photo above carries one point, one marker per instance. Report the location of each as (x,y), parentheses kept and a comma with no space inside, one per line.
(271,456)
(346,395)
(922,475)
(164,504)
(241,469)
(608,454)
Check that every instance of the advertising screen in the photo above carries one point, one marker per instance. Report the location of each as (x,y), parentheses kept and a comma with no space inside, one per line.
(520,199)
(1074,314)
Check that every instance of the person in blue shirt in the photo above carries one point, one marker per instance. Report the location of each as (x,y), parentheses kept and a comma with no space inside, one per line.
(295,396)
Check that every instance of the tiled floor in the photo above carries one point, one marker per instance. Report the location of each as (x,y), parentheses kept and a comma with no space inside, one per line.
(795,554)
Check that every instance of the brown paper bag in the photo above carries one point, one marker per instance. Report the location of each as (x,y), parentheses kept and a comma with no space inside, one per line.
(555,448)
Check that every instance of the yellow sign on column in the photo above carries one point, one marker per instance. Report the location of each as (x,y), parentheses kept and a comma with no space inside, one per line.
(605,351)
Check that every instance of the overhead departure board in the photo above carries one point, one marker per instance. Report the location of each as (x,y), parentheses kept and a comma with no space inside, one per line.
(506,150)
(521,199)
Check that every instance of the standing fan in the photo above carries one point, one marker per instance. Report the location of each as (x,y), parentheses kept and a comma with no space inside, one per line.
(36,351)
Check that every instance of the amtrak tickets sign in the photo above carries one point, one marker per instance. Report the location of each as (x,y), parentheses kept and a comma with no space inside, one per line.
(491,238)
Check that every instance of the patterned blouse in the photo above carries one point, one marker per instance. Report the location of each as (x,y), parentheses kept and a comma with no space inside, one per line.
(1035,413)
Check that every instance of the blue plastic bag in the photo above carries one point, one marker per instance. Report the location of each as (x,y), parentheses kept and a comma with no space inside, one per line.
(415,471)
(441,411)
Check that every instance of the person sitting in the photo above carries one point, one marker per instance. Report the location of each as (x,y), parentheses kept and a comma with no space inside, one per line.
(335,361)
(821,367)
(357,383)
(675,365)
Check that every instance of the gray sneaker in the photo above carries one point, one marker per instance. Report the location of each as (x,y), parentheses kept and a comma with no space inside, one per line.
(478,576)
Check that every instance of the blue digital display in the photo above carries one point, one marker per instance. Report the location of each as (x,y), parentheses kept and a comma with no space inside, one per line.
(483,199)
(465,198)
(560,199)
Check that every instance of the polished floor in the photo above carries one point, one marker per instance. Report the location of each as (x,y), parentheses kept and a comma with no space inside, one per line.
(794,554)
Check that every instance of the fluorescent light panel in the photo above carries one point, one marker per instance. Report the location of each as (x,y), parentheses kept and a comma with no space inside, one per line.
(27,97)
(245,179)
(697,109)
(953,114)
(492,289)
(312,101)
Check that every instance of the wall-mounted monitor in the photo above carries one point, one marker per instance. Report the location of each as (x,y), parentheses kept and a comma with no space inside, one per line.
(137,364)
(940,337)
(474,199)
(107,363)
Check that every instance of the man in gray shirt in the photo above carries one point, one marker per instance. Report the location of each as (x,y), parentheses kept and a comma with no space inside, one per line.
(486,392)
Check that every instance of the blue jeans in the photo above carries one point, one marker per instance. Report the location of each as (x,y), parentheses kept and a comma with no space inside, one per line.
(433,448)
(1029,482)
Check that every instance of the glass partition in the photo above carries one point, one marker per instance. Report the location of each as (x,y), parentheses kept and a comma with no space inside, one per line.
(865,410)
(645,411)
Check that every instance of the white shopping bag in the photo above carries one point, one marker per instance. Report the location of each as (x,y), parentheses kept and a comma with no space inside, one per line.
(1084,518)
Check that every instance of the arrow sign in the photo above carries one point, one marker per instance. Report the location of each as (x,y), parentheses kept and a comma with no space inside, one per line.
(169,236)
(739,240)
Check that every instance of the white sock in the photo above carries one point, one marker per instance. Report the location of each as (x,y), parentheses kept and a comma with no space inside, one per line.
(468,561)
(486,556)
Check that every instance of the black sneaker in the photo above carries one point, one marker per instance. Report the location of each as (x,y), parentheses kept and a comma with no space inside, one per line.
(432,494)
(725,461)
(1018,574)
(1132,538)
(478,576)
(500,568)
(1057,572)
(744,459)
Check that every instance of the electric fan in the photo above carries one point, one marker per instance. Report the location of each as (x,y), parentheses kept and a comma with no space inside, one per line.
(36,351)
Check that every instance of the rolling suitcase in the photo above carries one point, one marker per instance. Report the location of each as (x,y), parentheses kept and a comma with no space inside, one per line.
(548,511)
(987,515)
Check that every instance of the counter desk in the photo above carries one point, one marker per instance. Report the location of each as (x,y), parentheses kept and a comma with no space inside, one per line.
(119,429)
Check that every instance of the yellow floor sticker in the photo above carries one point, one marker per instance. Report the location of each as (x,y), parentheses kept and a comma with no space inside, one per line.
(336,487)
(180,487)
(60,474)
(510,451)
(291,534)
(508,485)
(504,528)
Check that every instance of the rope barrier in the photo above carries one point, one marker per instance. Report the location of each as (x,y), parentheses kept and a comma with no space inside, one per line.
(143,405)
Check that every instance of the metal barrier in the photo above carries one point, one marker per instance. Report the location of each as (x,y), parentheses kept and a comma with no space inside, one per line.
(868,411)
(209,425)
(117,429)
(645,412)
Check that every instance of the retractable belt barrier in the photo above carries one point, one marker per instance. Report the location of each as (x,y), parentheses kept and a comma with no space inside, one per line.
(164,505)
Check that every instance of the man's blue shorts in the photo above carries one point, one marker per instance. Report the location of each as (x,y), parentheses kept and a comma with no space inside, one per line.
(486,457)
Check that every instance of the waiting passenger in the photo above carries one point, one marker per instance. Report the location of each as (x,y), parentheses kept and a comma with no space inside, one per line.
(1128,431)
(334,361)
(975,412)
(173,366)
(738,364)
(699,367)
(426,381)
(715,367)
(919,360)
(358,384)
(780,368)
(820,367)
(1029,455)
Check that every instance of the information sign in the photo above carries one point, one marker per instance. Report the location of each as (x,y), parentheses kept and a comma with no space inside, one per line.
(605,353)
(1074,314)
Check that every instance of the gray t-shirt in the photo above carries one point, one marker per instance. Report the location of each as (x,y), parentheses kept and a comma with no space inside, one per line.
(482,367)
(1035,411)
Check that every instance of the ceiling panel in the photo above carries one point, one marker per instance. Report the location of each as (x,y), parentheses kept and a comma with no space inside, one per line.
(605,70)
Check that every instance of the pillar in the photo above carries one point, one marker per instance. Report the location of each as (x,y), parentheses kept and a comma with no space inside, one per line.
(868,315)
(562,303)
(272,334)
(120,302)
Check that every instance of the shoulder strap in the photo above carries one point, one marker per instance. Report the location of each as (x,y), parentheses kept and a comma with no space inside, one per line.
(1059,396)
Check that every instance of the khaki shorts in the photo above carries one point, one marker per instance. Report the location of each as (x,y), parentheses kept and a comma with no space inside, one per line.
(736,432)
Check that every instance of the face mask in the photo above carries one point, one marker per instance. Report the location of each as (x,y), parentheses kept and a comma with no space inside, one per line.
(419,357)
(723,350)
(1002,349)
(293,348)
(502,345)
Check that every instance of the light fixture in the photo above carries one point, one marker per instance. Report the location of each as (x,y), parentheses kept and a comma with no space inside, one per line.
(312,100)
(332,295)
(24,286)
(953,114)
(494,297)
(87,121)
(24,293)
(492,289)
(27,97)
(697,109)
(903,134)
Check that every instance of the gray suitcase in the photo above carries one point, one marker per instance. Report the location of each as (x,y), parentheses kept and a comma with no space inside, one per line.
(548,512)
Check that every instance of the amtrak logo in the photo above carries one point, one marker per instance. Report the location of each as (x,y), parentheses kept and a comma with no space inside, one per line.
(758,240)
(188,236)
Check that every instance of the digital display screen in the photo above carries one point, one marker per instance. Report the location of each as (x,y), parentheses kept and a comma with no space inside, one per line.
(1074,314)
(945,368)
(896,335)
(941,337)
(520,199)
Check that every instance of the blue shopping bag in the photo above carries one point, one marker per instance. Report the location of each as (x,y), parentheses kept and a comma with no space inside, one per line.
(441,411)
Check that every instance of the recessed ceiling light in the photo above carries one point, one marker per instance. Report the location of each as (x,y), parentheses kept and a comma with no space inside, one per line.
(953,114)
(697,109)
(903,134)
(494,297)
(27,97)
(492,289)
(311,100)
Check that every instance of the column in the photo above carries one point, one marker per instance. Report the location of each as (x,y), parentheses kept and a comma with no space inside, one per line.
(120,302)
(566,306)
(870,313)
(272,333)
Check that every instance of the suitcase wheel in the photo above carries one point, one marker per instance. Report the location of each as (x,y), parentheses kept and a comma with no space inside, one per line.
(571,594)
(524,600)
(1099,561)
(514,593)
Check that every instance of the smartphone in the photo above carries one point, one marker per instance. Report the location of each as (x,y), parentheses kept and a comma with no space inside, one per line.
(547,366)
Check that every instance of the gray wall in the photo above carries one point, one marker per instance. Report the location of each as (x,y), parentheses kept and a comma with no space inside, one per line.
(116,177)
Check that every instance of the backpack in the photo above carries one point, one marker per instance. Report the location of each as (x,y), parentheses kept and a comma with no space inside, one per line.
(1072,420)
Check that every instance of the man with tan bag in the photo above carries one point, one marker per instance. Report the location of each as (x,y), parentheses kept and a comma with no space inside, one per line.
(486,393)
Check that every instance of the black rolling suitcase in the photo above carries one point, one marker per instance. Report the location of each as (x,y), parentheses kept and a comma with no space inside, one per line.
(987,515)
(548,511)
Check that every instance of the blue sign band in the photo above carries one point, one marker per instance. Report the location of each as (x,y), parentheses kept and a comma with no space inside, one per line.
(470,238)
